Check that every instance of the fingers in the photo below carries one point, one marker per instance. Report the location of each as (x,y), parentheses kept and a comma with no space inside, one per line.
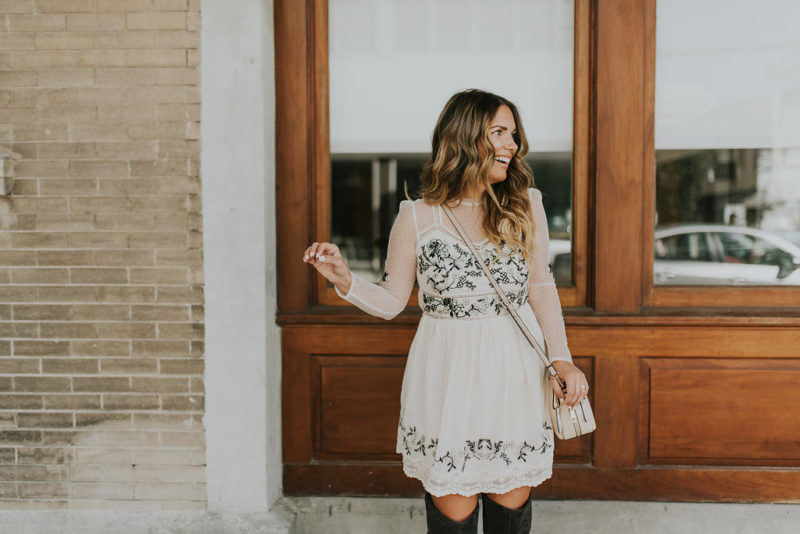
(329,262)
(577,388)
(321,252)
(556,388)
(338,265)
(574,392)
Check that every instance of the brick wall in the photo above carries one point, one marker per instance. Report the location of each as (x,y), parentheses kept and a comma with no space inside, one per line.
(101,299)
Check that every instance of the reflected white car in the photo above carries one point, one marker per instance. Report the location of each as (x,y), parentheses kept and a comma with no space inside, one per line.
(717,254)
(561,261)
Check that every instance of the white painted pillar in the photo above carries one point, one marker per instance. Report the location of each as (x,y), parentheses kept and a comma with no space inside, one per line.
(242,356)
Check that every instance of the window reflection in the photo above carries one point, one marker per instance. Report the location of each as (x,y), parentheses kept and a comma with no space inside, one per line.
(727,139)
(750,219)
(367,190)
(689,246)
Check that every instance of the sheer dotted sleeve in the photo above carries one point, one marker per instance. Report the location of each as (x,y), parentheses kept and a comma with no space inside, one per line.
(542,293)
(389,296)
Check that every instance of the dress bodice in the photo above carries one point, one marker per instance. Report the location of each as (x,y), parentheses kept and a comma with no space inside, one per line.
(425,247)
(452,284)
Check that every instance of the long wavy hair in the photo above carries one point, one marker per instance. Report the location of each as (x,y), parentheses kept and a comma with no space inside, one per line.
(455,167)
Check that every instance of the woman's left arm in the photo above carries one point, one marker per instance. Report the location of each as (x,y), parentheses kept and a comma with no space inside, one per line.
(543,298)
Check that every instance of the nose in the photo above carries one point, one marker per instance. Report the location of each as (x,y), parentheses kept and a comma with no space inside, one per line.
(511,144)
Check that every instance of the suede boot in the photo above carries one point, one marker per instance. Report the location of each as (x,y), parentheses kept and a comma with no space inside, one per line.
(497,519)
(438,523)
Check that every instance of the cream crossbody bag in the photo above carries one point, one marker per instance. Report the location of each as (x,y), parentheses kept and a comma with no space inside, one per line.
(567,422)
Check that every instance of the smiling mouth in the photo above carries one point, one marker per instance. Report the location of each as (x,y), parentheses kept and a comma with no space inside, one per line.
(502,159)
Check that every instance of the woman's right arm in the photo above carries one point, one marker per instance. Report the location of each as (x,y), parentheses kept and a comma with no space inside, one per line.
(388,297)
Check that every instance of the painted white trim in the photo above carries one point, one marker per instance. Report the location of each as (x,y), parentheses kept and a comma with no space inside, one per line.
(242,357)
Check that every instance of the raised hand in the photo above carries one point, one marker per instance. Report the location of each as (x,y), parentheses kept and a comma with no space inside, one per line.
(328,261)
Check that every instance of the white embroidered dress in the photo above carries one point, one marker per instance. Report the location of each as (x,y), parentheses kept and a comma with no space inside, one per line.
(473,417)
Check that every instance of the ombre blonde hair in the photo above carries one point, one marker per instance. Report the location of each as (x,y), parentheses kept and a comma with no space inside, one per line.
(455,167)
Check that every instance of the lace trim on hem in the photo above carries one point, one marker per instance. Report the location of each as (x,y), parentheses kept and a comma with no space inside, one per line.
(476,484)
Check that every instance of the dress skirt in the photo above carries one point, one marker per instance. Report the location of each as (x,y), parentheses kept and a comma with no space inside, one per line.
(473,417)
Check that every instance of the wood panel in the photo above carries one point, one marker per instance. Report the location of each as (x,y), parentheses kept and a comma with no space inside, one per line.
(341,403)
(622,119)
(349,316)
(582,154)
(363,339)
(294,154)
(648,205)
(689,341)
(617,395)
(346,407)
(357,397)
(303,348)
(674,485)
(720,411)
(296,404)
(759,300)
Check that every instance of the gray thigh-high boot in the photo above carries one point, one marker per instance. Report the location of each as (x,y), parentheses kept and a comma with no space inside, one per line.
(438,523)
(497,519)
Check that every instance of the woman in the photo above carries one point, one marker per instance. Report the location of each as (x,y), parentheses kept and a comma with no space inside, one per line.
(473,417)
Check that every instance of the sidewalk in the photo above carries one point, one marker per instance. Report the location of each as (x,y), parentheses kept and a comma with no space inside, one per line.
(352,515)
(340,515)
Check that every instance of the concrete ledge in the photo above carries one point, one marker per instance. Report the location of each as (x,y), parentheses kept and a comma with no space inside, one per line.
(277,521)
(406,516)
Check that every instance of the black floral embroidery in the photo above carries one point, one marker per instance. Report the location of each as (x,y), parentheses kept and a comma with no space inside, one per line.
(481,449)
(416,444)
(463,307)
(448,267)
(385,276)
(507,268)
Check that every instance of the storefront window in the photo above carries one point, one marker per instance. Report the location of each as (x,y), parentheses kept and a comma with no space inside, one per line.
(727,138)
(393,64)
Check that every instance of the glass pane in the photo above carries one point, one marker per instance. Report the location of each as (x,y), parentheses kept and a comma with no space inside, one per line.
(393,65)
(727,142)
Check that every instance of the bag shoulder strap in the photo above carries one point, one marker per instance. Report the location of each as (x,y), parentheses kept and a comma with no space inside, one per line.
(511,309)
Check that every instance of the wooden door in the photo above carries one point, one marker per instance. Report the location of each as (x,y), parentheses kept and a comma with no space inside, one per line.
(693,388)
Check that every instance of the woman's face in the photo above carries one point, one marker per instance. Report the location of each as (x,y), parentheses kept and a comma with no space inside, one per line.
(501,134)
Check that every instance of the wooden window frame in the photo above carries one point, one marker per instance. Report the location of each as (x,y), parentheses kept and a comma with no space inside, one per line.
(613,171)
(701,300)
(318,163)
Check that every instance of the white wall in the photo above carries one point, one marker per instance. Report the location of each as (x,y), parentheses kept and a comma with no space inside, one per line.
(238,177)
